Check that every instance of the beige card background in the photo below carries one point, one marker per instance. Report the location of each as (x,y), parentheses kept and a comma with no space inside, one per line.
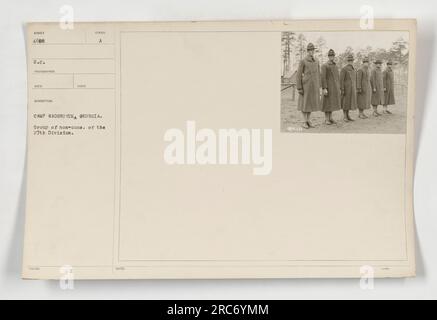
(106,203)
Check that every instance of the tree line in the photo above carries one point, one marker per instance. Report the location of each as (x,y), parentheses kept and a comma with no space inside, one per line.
(294,49)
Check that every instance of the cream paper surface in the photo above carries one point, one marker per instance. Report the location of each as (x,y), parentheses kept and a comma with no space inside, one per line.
(102,200)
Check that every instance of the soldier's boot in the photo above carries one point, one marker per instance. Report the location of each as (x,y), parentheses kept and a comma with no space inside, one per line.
(345,117)
(375,112)
(330,118)
(327,119)
(386,111)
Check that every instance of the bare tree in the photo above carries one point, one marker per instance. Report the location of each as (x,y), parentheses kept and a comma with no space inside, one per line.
(321,48)
(399,51)
(287,38)
(301,44)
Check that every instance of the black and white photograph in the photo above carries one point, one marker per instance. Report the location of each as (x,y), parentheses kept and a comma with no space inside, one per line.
(344,82)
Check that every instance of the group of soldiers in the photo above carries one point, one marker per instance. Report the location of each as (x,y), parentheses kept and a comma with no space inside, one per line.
(347,89)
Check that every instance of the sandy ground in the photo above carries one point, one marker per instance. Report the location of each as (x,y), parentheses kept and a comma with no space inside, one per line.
(291,118)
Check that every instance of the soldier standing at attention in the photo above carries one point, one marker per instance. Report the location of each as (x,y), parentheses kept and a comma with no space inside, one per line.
(364,90)
(331,88)
(377,87)
(388,82)
(308,86)
(348,87)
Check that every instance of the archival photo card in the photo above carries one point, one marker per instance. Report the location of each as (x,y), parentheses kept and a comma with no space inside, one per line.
(245,149)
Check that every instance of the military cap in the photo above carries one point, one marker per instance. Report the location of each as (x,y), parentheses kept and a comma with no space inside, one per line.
(350,57)
(331,53)
(310,47)
(378,61)
(365,59)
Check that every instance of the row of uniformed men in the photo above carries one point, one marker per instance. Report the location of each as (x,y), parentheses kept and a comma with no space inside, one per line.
(347,89)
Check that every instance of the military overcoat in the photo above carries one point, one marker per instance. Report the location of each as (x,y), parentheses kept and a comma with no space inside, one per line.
(388,81)
(348,87)
(364,90)
(331,82)
(308,80)
(377,85)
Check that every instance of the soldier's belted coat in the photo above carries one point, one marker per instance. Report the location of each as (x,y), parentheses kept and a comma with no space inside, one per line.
(388,82)
(348,87)
(363,83)
(331,81)
(308,79)
(377,87)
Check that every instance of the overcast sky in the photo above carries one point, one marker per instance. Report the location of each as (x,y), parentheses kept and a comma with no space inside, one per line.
(339,41)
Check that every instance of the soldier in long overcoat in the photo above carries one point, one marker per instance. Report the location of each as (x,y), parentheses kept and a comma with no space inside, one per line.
(364,90)
(331,88)
(388,82)
(348,87)
(376,82)
(308,86)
